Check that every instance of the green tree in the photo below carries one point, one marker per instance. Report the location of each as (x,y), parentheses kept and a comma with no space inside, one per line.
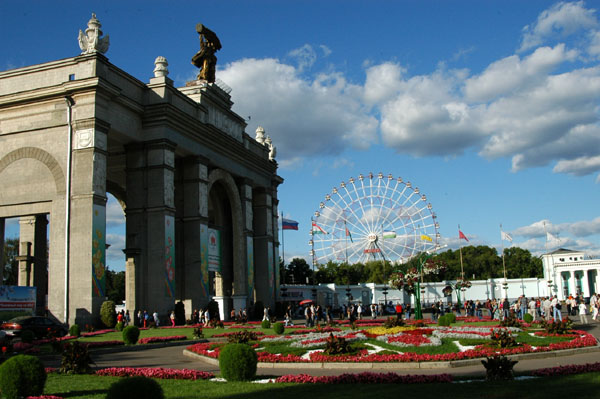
(9,261)
(115,286)
(520,263)
(298,271)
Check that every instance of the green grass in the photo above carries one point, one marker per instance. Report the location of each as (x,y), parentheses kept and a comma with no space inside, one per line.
(581,386)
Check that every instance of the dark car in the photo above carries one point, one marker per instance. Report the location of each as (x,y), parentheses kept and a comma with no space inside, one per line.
(41,326)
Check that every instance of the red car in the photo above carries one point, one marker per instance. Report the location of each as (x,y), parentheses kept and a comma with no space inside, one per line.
(41,326)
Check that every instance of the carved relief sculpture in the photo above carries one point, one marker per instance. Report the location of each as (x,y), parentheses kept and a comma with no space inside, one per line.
(205,59)
(91,42)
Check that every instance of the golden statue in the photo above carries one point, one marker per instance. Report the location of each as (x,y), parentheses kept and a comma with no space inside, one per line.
(205,59)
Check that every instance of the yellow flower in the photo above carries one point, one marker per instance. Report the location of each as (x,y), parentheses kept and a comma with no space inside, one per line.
(393,330)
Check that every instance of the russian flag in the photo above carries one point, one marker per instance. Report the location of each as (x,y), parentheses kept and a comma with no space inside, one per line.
(289,224)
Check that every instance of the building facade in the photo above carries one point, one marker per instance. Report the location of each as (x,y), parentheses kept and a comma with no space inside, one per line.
(188,176)
(570,273)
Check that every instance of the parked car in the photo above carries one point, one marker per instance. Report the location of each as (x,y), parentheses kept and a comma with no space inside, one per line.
(41,326)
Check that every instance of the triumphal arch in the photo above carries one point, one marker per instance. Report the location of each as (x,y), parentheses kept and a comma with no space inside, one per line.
(178,159)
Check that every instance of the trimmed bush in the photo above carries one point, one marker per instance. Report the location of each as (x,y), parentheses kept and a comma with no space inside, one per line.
(74,330)
(119,326)
(22,376)
(265,324)
(527,318)
(444,320)
(135,387)
(27,336)
(452,317)
(238,362)
(75,358)
(108,314)
(278,328)
(131,334)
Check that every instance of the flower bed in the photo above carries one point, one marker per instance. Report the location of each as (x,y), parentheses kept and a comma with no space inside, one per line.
(151,340)
(567,370)
(365,378)
(405,337)
(162,373)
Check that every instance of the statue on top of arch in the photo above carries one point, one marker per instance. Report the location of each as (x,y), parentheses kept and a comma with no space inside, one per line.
(91,42)
(205,59)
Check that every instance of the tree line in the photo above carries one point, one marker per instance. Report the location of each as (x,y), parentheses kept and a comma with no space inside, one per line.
(479,263)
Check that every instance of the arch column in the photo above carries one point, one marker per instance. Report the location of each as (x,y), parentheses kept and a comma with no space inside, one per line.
(150,225)
(585,283)
(263,247)
(33,263)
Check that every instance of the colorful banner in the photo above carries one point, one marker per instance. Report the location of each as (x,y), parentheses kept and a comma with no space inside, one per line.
(19,299)
(204,277)
(214,250)
(99,251)
(270,264)
(169,256)
(250,264)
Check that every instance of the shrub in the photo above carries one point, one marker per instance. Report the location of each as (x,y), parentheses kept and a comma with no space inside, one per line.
(131,334)
(392,322)
(75,359)
(511,321)
(444,320)
(241,337)
(22,376)
(336,345)
(265,324)
(119,326)
(197,334)
(451,316)
(527,318)
(74,330)
(238,362)
(135,387)
(278,328)
(503,339)
(108,314)
(557,327)
(499,368)
(27,336)
(179,313)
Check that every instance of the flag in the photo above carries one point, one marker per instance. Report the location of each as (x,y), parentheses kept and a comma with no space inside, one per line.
(289,224)
(461,235)
(349,235)
(505,236)
(425,237)
(316,229)
(389,234)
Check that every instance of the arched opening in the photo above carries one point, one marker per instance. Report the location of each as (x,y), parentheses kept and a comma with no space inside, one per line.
(220,257)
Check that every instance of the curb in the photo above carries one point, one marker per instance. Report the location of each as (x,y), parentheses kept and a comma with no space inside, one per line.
(401,365)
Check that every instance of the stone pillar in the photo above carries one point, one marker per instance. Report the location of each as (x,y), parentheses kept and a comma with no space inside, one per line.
(193,273)
(245,292)
(33,261)
(263,247)
(87,257)
(573,279)
(151,227)
(585,284)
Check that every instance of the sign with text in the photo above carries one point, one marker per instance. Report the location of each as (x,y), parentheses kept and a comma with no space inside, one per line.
(15,298)
(214,250)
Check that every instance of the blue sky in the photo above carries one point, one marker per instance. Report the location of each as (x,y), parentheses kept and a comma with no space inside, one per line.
(490,108)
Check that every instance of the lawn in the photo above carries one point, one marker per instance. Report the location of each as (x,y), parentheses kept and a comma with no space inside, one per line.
(580,386)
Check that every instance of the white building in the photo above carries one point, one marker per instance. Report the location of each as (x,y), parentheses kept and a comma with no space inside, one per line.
(569,273)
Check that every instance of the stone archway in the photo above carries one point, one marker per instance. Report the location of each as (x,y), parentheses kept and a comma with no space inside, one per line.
(225,212)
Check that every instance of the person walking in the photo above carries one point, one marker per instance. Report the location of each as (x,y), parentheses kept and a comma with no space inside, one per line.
(557,307)
(172,317)
(156,319)
(583,313)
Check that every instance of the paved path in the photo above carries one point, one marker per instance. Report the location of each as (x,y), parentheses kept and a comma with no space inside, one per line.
(172,357)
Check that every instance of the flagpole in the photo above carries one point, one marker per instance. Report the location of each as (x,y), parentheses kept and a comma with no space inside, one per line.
(462,270)
(505,283)
(282,241)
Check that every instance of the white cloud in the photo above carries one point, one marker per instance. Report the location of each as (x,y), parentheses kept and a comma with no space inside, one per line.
(561,20)
(383,82)
(326,50)
(305,56)
(304,118)
(115,216)
(579,166)
(114,254)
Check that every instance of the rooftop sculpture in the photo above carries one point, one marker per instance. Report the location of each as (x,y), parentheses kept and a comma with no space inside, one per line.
(205,59)
(91,42)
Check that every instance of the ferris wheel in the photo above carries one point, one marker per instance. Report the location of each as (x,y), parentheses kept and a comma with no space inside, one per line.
(373,217)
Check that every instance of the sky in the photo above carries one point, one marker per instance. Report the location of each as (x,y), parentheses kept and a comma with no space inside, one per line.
(490,108)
